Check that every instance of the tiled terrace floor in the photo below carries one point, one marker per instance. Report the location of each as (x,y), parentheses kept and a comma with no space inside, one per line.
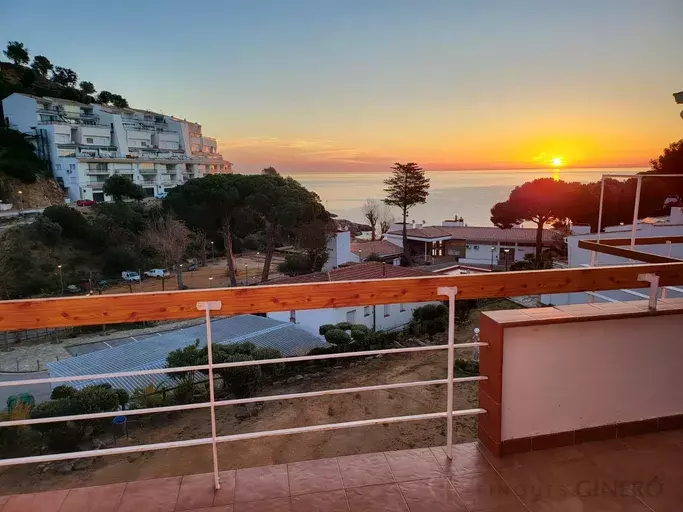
(614,475)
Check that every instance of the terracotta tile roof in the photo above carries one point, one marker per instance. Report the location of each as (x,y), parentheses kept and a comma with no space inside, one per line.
(379,247)
(355,272)
(482,233)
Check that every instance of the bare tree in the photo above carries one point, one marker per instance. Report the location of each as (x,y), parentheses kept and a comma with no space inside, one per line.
(169,238)
(386,219)
(371,211)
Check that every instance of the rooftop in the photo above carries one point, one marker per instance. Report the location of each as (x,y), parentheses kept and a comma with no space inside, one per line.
(640,473)
(355,272)
(150,352)
(379,247)
(480,233)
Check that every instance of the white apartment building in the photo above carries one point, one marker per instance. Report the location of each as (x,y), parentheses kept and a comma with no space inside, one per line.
(85,144)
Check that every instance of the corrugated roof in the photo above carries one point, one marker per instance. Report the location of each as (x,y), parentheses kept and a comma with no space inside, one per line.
(481,233)
(381,248)
(355,272)
(150,352)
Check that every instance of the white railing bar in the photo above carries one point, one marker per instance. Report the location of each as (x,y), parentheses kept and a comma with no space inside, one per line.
(157,371)
(347,424)
(600,296)
(36,459)
(234,437)
(208,306)
(341,391)
(451,293)
(219,403)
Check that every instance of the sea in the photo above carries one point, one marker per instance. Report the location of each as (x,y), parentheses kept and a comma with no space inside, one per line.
(467,194)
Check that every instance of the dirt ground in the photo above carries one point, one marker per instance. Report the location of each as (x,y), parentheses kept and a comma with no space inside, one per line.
(249,268)
(289,413)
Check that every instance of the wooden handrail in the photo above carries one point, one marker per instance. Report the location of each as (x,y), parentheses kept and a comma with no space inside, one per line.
(176,305)
(631,254)
(648,240)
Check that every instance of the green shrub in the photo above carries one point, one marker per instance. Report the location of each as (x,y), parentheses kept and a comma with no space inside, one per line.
(337,337)
(74,225)
(191,355)
(326,327)
(148,397)
(63,391)
(241,381)
(94,399)
(60,436)
(344,326)
(430,319)
(358,335)
(123,397)
(183,393)
(269,371)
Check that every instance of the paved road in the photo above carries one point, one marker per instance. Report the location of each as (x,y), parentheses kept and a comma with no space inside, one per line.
(40,392)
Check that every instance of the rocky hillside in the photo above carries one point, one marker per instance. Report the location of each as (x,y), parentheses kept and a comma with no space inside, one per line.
(41,194)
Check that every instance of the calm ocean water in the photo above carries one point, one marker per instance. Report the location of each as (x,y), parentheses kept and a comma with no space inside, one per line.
(469,194)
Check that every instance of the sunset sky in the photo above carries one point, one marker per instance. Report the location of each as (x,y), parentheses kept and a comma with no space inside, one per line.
(357,84)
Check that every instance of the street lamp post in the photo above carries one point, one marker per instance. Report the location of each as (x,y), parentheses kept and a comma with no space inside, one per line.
(506,251)
(246,274)
(212,253)
(258,264)
(21,203)
(492,249)
(210,281)
(61,279)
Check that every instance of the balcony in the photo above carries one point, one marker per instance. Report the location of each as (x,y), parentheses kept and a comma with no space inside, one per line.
(578,406)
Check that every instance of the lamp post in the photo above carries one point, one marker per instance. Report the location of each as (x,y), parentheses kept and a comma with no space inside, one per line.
(360,255)
(210,281)
(246,274)
(506,251)
(21,203)
(212,253)
(258,263)
(492,249)
(61,279)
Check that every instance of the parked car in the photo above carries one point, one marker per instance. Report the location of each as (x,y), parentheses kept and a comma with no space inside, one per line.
(85,202)
(72,288)
(129,276)
(157,272)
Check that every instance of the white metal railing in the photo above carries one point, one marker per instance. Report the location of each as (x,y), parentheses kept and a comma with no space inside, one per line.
(210,306)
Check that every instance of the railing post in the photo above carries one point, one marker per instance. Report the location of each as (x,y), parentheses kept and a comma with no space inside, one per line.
(653,279)
(207,307)
(451,293)
(668,253)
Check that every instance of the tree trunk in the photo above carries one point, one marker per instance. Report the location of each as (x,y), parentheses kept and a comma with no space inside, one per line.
(268,257)
(539,241)
(406,250)
(227,241)
(373,234)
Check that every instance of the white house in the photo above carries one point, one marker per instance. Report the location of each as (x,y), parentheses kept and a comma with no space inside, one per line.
(377,317)
(87,143)
(476,245)
(649,227)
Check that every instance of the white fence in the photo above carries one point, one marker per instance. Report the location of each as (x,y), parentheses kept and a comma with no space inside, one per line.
(449,413)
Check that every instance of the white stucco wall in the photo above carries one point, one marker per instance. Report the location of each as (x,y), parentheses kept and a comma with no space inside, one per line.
(21,112)
(568,376)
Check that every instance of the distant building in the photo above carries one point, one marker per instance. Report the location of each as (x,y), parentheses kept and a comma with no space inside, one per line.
(384,250)
(476,245)
(648,227)
(378,317)
(86,143)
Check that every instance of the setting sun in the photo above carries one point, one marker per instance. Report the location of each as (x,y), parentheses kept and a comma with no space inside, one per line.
(557,161)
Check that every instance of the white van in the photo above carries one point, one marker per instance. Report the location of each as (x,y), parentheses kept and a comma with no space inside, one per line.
(130,276)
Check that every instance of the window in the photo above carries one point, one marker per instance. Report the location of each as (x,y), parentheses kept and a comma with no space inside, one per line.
(387,309)
(366,311)
(402,308)
(58,167)
(143,143)
(89,140)
(72,167)
(351,316)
